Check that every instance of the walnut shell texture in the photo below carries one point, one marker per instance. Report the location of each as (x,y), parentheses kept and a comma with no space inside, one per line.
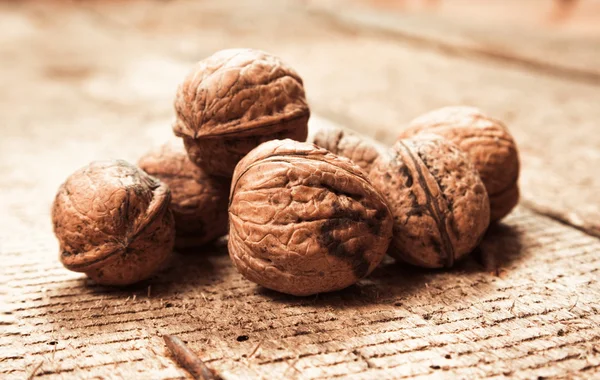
(489,145)
(439,204)
(235,100)
(303,220)
(198,201)
(362,150)
(113,223)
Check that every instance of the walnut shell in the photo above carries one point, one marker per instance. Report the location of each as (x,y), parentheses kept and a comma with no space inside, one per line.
(489,145)
(113,223)
(233,101)
(362,150)
(303,220)
(440,206)
(198,201)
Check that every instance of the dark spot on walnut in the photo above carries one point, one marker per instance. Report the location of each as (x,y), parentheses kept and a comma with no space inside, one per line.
(344,218)
(405,172)
(435,244)
(326,237)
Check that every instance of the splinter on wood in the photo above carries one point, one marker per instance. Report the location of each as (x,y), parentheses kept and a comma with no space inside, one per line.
(188,359)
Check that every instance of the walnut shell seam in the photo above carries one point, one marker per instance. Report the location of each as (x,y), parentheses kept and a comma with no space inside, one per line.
(439,217)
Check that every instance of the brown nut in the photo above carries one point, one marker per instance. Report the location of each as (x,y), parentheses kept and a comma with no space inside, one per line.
(303,220)
(440,206)
(233,101)
(113,223)
(362,150)
(198,201)
(489,145)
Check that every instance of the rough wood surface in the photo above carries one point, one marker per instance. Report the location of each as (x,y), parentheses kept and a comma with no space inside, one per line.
(525,305)
(98,82)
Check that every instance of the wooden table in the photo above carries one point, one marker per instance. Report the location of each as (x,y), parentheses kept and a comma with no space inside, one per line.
(87,80)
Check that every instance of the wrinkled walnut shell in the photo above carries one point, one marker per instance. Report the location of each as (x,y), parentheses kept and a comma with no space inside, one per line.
(362,150)
(113,223)
(232,102)
(440,206)
(198,201)
(489,145)
(303,220)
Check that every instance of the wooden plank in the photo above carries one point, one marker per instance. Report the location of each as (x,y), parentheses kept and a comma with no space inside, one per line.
(525,305)
(538,35)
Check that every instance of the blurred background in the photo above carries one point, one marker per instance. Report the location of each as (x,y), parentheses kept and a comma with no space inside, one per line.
(85,80)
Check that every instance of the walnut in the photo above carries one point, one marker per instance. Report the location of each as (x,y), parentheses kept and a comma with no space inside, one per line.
(233,101)
(360,149)
(303,220)
(440,206)
(113,223)
(198,201)
(488,144)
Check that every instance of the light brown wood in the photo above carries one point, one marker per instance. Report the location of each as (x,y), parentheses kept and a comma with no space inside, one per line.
(524,305)
(98,82)
(549,36)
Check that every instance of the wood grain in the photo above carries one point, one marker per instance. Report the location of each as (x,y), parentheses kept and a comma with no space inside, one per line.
(98,82)
(525,303)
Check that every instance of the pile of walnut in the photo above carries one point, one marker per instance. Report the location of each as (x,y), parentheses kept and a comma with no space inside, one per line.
(302,217)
